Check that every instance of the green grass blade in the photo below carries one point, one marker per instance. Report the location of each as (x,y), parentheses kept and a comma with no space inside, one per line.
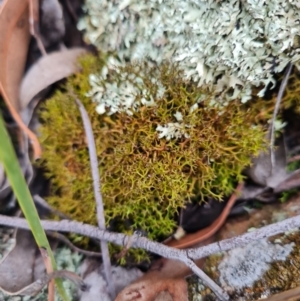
(15,176)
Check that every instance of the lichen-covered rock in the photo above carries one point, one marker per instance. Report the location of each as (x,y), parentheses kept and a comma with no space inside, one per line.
(243,266)
(236,44)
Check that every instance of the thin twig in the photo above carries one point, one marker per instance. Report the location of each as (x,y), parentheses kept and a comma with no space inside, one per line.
(66,241)
(276,109)
(33,138)
(128,245)
(293,159)
(39,200)
(125,249)
(71,11)
(155,247)
(219,292)
(34,25)
(284,296)
(98,196)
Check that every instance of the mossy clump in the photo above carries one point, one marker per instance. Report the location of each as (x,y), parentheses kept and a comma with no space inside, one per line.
(174,143)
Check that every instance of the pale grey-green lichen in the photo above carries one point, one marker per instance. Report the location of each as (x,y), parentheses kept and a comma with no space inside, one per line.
(125,96)
(242,266)
(172,130)
(233,44)
(131,92)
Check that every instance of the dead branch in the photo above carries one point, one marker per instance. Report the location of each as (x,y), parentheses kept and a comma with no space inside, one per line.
(98,196)
(67,242)
(285,296)
(185,256)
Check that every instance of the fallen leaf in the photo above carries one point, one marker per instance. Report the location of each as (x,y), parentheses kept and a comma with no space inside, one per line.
(251,191)
(203,234)
(46,71)
(263,173)
(292,181)
(151,291)
(17,267)
(163,296)
(276,177)
(165,276)
(14,41)
(22,270)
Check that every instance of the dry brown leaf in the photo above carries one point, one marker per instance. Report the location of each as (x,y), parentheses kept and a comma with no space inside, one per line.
(14,41)
(48,70)
(164,296)
(166,276)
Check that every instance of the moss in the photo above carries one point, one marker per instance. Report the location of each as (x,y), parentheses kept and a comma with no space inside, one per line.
(286,195)
(144,178)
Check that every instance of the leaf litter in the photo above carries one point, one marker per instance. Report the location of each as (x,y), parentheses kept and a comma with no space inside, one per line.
(17,268)
(15,21)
